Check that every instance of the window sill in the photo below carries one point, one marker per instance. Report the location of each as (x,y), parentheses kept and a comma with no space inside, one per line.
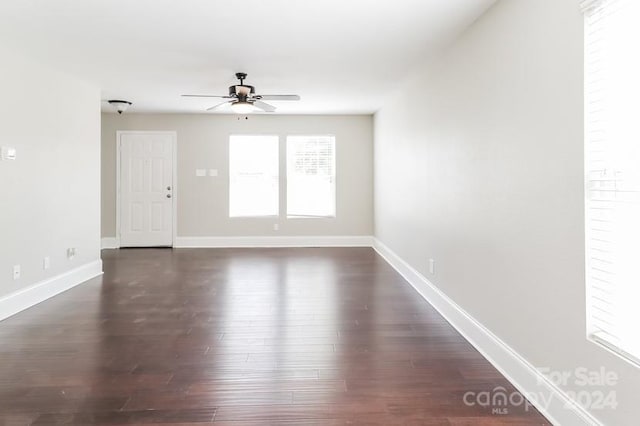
(310,217)
(610,347)
(255,217)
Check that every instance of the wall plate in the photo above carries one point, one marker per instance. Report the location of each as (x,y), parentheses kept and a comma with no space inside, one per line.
(8,153)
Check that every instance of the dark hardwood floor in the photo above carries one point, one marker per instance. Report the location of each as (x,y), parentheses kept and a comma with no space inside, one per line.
(244,337)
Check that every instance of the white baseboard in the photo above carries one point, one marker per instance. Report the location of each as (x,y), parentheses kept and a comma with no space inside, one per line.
(276,241)
(109,243)
(261,241)
(39,292)
(550,400)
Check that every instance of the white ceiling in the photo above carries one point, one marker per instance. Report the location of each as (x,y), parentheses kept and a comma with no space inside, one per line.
(340,56)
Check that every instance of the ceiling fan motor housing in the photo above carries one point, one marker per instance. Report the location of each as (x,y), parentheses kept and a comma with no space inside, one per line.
(241,91)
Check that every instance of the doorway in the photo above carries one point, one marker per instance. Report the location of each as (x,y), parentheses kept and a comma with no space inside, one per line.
(146,185)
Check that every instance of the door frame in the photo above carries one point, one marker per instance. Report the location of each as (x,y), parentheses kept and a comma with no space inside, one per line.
(174,178)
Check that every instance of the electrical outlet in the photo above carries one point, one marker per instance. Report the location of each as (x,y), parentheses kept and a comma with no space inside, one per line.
(16,272)
(432,266)
(46,263)
(71,253)
(276,227)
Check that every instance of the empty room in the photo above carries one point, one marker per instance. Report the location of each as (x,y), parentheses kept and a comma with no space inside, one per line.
(319,213)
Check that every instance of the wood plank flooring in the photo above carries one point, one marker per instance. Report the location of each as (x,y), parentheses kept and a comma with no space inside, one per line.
(243,337)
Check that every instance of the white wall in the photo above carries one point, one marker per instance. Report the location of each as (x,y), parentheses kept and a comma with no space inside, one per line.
(479,165)
(50,195)
(203,141)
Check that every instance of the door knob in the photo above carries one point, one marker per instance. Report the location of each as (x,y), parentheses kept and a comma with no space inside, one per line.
(168,195)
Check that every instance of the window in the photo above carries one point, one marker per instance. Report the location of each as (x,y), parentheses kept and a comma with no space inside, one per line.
(311,182)
(253,176)
(612,170)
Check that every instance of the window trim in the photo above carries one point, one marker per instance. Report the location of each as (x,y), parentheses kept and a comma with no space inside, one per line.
(594,336)
(228,143)
(334,177)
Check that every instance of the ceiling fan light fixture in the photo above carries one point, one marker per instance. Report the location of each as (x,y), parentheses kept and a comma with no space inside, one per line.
(242,107)
(119,105)
(244,100)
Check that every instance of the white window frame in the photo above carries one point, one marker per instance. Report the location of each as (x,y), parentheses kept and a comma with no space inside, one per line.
(609,192)
(277,177)
(333,214)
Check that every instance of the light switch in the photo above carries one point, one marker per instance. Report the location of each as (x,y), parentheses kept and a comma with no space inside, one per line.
(201,172)
(8,153)
(213,172)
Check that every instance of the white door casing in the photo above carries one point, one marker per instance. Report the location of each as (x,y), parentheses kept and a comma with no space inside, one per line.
(146,188)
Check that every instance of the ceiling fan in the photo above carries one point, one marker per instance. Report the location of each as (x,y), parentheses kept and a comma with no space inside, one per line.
(243,98)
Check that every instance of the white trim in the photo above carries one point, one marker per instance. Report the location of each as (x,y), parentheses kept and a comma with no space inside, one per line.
(550,400)
(110,243)
(39,292)
(174,184)
(613,349)
(279,241)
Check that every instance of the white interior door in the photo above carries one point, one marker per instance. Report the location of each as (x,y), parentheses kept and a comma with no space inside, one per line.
(146,188)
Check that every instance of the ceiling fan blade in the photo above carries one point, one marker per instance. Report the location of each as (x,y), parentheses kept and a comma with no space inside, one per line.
(206,96)
(264,106)
(280,97)
(218,105)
